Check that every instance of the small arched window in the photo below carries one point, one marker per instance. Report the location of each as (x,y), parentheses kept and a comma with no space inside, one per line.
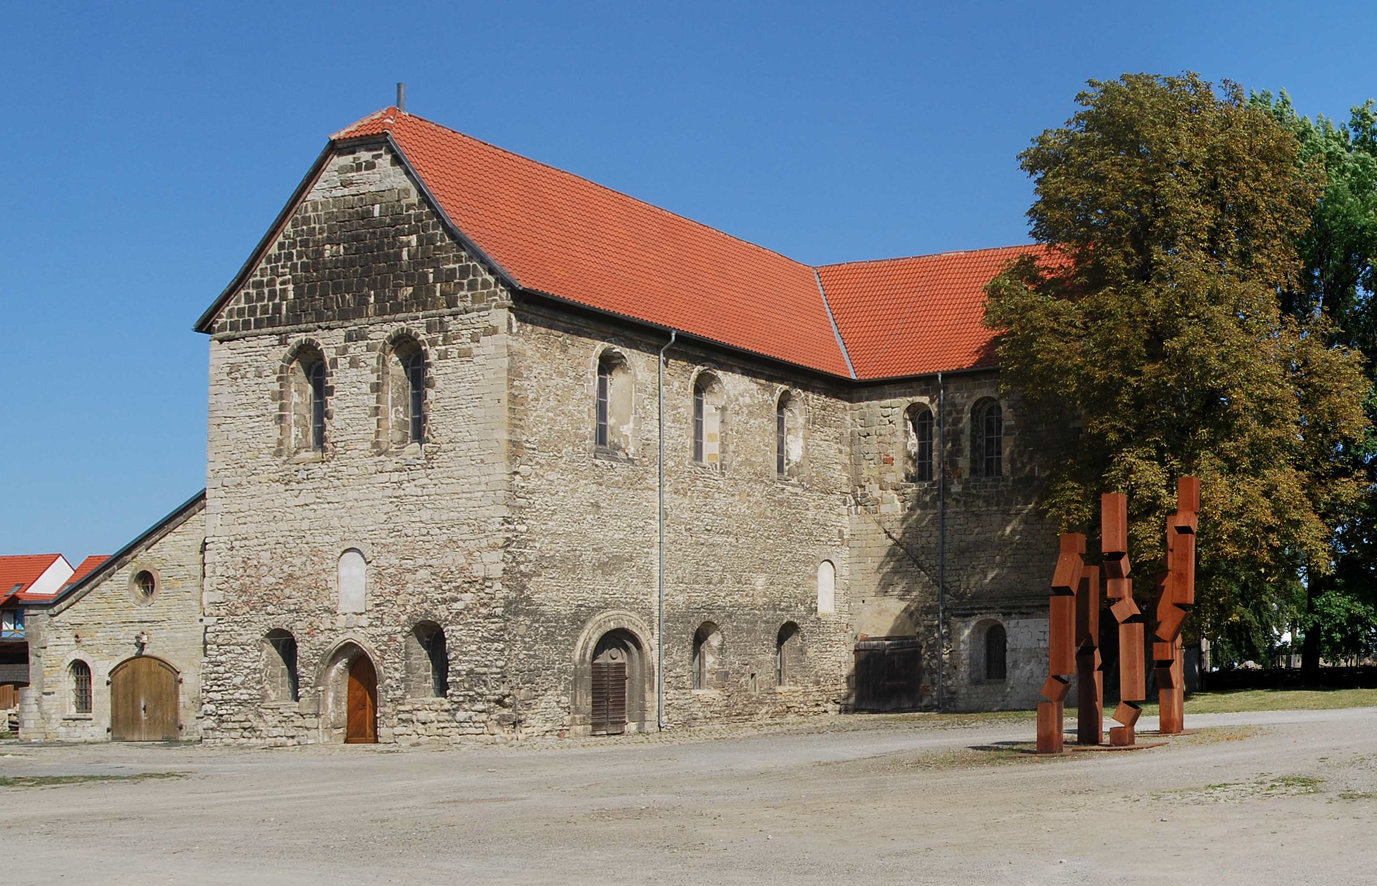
(279,667)
(996,650)
(81,687)
(353,581)
(827,587)
(987,440)
(707,654)
(788,436)
(427,661)
(918,431)
(707,420)
(613,413)
(404,394)
(306,401)
(788,655)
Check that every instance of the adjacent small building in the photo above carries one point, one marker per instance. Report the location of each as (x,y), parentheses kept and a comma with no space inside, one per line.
(116,654)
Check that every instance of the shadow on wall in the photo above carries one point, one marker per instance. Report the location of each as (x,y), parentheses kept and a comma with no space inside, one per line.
(999,550)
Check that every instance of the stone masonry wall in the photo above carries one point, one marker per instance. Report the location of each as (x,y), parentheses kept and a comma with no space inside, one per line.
(742,546)
(99,627)
(362,261)
(999,550)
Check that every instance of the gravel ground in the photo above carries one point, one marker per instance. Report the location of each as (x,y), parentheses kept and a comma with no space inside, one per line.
(1263,798)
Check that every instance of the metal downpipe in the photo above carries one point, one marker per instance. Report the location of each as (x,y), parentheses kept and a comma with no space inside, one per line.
(941,534)
(660,515)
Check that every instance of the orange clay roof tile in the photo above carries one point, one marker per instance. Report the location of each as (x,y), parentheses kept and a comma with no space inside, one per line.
(562,235)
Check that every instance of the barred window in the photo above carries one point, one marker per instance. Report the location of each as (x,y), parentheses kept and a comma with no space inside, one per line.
(81,687)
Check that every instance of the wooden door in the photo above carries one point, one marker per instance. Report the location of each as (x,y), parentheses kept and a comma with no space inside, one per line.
(362,724)
(609,693)
(143,701)
(9,696)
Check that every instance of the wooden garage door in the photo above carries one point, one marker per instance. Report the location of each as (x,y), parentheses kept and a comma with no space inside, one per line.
(143,701)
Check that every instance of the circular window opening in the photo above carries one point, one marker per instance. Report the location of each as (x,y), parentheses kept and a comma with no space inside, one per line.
(144,584)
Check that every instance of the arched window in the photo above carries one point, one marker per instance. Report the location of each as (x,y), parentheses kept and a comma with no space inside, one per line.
(404,394)
(788,655)
(918,431)
(613,413)
(987,440)
(353,581)
(827,587)
(707,420)
(427,661)
(279,667)
(306,401)
(996,643)
(81,687)
(788,436)
(707,652)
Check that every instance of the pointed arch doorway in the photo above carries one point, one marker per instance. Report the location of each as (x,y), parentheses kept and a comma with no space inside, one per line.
(361,721)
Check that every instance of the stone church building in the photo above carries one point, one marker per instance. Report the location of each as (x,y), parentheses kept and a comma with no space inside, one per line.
(495,449)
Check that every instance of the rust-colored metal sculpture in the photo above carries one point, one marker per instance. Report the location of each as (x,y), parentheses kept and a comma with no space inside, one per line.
(1061,641)
(1175,600)
(1119,590)
(1089,676)
(1074,627)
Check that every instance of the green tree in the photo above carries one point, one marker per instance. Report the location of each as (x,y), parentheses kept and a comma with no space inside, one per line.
(1336,285)
(1176,210)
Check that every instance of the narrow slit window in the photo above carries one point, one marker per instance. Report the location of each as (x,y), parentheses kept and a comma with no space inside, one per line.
(604,384)
(315,374)
(780,437)
(699,402)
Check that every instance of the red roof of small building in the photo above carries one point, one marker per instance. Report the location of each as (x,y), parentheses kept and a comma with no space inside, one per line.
(18,571)
(553,232)
(86,567)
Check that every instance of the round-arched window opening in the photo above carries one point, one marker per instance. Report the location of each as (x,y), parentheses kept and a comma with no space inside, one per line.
(145,584)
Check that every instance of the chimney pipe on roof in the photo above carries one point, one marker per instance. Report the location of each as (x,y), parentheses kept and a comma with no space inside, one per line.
(401,96)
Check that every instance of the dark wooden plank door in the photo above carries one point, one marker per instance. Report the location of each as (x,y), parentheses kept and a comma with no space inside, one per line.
(143,701)
(609,697)
(362,725)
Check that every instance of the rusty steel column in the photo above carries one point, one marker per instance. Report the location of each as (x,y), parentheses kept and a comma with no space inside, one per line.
(1089,677)
(1119,590)
(1173,604)
(1061,642)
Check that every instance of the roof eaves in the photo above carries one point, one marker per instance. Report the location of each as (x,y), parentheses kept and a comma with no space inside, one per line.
(841,343)
(117,559)
(931,373)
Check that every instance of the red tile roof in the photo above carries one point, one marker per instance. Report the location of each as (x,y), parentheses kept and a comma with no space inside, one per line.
(562,235)
(23,570)
(86,567)
(908,316)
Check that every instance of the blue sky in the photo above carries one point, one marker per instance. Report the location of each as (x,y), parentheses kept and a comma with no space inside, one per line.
(152,144)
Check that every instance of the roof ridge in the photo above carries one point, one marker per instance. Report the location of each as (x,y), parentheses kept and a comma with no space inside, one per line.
(874,261)
(611,190)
